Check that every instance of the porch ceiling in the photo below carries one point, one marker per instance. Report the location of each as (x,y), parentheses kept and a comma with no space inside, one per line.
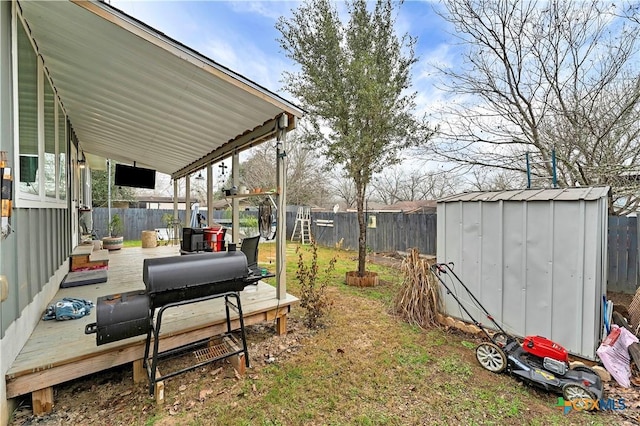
(134,94)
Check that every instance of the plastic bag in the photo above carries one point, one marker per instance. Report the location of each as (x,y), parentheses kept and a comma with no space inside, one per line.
(614,354)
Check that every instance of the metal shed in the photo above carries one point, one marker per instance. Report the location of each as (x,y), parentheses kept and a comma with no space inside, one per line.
(535,258)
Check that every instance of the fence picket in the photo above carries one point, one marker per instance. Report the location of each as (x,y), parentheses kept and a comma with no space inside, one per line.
(398,232)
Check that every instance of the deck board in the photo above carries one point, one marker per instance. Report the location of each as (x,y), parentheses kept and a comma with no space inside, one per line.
(58,351)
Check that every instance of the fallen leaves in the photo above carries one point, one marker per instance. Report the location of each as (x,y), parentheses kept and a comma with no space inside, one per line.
(204,393)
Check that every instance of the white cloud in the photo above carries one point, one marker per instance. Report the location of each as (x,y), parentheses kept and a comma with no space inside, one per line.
(268,9)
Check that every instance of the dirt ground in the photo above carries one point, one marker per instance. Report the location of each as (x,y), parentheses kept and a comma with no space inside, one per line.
(106,398)
(197,397)
(111,397)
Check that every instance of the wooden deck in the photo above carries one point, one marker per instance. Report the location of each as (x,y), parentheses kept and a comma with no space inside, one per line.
(59,351)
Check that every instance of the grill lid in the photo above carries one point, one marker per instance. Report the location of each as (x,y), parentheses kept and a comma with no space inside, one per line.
(179,272)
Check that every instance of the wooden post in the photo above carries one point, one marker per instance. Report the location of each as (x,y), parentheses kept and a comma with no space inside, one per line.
(159,389)
(238,362)
(281,325)
(139,372)
(42,401)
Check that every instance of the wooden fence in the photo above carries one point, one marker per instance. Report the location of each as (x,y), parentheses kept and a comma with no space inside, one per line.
(386,232)
(391,232)
(623,254)
(137,220)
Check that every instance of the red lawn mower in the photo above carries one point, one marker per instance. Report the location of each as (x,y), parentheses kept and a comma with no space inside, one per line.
(538,361)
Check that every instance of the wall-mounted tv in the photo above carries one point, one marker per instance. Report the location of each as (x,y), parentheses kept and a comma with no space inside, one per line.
(136,177)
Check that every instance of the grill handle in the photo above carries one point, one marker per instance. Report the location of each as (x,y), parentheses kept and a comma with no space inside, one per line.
(91,328)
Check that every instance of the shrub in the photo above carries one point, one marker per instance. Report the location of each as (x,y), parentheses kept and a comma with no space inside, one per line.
(313,298)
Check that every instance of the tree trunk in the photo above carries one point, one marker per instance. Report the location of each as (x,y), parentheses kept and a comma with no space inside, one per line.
(362,226)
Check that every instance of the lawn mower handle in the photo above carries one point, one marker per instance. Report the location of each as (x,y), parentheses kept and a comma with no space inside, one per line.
(445,268)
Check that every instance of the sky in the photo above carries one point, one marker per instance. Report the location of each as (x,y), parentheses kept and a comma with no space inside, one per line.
(241,35)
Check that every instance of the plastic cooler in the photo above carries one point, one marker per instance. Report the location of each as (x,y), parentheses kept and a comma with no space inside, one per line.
(214,238)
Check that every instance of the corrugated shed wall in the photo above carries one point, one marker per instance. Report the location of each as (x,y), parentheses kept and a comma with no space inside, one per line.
(537,266)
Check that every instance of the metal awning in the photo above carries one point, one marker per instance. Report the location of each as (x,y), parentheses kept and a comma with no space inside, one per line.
(133,94)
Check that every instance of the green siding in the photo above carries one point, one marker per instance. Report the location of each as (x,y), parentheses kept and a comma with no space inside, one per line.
(40,242)
(7,247)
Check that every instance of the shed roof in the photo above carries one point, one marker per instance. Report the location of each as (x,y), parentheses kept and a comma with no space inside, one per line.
(545,194)
(135,95)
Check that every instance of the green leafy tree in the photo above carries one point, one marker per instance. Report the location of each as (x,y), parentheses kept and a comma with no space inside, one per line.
(354,79)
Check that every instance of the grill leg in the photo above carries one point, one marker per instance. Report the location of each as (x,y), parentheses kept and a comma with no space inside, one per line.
(241,319)
(226,308)
(148,341)
(154,358)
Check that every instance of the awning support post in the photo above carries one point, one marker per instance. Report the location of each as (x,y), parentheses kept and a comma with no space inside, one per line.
(187,201)
(209,194)
(235,202)
(281,221)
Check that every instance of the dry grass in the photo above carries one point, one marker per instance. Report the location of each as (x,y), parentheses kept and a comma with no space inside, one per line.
(418,300)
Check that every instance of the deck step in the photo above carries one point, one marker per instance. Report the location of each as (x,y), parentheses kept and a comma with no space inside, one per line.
(76,279)
(82,250)
(84,257)
(99,256)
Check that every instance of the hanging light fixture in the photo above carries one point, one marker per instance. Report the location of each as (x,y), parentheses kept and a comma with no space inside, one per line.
(82,160)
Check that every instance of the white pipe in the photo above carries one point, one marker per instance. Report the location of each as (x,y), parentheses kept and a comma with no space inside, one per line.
(109,195)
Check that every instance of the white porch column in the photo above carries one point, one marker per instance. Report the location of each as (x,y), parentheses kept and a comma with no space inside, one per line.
(209,194)
(235,202)
(281,223)
(175,209)
(187,201)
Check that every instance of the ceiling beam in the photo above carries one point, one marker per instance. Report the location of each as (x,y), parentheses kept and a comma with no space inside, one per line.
(247,140)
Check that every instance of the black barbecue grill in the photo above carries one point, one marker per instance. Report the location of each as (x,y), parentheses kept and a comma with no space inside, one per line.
(179,278)
(171,282)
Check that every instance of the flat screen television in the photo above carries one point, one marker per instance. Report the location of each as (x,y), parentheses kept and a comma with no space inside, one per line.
(136,177)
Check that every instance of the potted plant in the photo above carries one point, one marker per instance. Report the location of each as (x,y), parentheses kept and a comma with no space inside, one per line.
(115,239)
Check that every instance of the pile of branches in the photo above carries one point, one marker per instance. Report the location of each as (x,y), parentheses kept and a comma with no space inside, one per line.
(418,301)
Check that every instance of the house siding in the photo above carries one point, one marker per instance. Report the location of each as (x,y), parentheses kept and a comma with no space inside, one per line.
(33,257)
(8,308)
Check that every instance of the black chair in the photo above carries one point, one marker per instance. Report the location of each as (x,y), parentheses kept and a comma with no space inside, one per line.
(249,247)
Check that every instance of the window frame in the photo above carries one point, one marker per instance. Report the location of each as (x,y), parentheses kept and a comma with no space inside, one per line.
(41,199)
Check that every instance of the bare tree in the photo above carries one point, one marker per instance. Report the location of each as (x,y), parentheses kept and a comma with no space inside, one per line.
(390,185)
(487,179)
(343,188)
(440,184)
(543,76)
(307,183)
(402,184)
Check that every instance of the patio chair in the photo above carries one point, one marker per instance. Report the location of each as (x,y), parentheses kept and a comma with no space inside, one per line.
(249,247)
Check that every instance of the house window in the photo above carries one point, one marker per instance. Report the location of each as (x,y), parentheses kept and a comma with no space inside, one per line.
(50,165)
(62,153)
(42,142)
(28,115)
